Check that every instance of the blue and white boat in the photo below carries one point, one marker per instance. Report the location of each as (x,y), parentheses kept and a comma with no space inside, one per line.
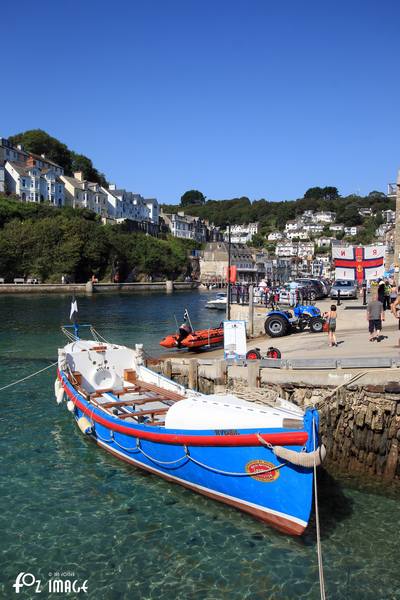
(255,457)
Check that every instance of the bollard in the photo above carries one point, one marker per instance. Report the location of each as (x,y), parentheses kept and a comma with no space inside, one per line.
(193,383)
(89,287)
(338,298)
(169,286)
(364,295)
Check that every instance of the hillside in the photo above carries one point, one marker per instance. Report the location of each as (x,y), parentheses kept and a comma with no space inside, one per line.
(45,242)
(40,142)
(274,215)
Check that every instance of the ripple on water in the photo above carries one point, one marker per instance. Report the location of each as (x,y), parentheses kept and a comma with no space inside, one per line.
(66,505)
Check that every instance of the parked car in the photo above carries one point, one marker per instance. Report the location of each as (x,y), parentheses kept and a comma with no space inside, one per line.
(348,289)
(318,289)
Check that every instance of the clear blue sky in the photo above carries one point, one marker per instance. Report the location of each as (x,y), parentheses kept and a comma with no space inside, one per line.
(263,98)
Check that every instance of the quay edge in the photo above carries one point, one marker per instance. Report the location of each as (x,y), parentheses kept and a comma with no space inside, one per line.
(82,288)
(359,422)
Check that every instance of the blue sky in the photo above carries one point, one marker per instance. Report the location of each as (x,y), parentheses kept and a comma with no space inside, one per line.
(263,98)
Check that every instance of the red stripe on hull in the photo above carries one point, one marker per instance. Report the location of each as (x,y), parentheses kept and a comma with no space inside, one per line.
(280,523)
(291,438)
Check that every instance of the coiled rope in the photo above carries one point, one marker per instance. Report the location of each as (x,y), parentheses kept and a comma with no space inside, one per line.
(28,376)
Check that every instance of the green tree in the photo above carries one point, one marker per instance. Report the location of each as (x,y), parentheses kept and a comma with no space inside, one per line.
(40,142)
(193,197)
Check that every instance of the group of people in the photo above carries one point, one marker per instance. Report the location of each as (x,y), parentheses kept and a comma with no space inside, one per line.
(386,296)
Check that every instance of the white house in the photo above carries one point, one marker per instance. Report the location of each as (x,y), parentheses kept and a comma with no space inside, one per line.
(241,234)
(325,216)
(389,216)
(80,193)
(275,236)
(307,215)
(351,230)
(292,226)
(313,227)
(34,184)
(336,227)
(301,234)
(365,212)
(324,242)
(2,179)
(185,226)
(154,209)
(300,249)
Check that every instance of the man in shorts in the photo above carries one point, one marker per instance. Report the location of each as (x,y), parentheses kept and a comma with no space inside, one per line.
(375,316)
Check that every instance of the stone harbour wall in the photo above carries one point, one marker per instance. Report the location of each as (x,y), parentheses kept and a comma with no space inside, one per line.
(359,423)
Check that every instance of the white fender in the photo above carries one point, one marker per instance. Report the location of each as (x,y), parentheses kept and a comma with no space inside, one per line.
(84,425)
(60,395)
(57,385)
(70,406)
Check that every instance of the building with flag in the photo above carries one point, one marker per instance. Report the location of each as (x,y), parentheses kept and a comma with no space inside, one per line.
(359,263)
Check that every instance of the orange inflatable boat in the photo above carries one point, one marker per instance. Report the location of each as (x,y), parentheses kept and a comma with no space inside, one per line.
(201,338)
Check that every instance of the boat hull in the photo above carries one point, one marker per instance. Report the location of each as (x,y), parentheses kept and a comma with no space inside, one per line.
(232,467)
(198,339)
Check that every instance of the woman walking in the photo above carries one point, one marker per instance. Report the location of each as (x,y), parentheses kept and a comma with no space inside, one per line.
(332,315)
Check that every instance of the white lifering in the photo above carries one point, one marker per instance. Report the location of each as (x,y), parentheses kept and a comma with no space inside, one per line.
(57,386)
(70,406)
(84,425)
(60,395)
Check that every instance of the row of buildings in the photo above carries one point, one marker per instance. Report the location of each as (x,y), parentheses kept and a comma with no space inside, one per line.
(35,178)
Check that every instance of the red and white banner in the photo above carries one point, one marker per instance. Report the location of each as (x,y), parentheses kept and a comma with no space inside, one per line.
(359,263)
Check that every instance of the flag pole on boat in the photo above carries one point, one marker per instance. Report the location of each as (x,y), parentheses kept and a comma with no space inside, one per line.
(73,316)
(187,318)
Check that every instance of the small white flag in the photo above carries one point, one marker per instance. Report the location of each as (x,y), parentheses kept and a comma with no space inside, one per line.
(74,309)
(186,315)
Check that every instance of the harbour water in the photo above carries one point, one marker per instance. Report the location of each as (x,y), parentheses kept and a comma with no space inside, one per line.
(67,507)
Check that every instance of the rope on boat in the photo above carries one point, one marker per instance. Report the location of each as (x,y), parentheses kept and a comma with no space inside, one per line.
(186,456)
(242,474)
(319,549)
(162,462)
(28,376)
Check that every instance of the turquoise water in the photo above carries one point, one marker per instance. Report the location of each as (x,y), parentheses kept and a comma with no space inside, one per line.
(66,506)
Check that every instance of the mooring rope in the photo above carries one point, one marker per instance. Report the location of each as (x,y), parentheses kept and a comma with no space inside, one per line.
(28,376)
(319,549)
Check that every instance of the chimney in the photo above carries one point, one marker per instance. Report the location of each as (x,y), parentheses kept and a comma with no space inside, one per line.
(112,186)
(20,147)
(79,176)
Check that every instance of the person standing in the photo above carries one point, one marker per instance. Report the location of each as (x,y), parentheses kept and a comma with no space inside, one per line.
(332,316)
(395,308)
(375,316)
(381,292)
(386,300)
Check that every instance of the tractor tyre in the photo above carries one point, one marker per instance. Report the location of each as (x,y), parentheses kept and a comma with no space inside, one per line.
(276,326)
(316,325)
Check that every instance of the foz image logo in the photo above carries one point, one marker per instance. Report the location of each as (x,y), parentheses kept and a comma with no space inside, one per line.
(26,580)
(262,470)
(55,584)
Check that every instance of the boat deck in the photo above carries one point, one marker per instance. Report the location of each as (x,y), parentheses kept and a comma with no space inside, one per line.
(138,402)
